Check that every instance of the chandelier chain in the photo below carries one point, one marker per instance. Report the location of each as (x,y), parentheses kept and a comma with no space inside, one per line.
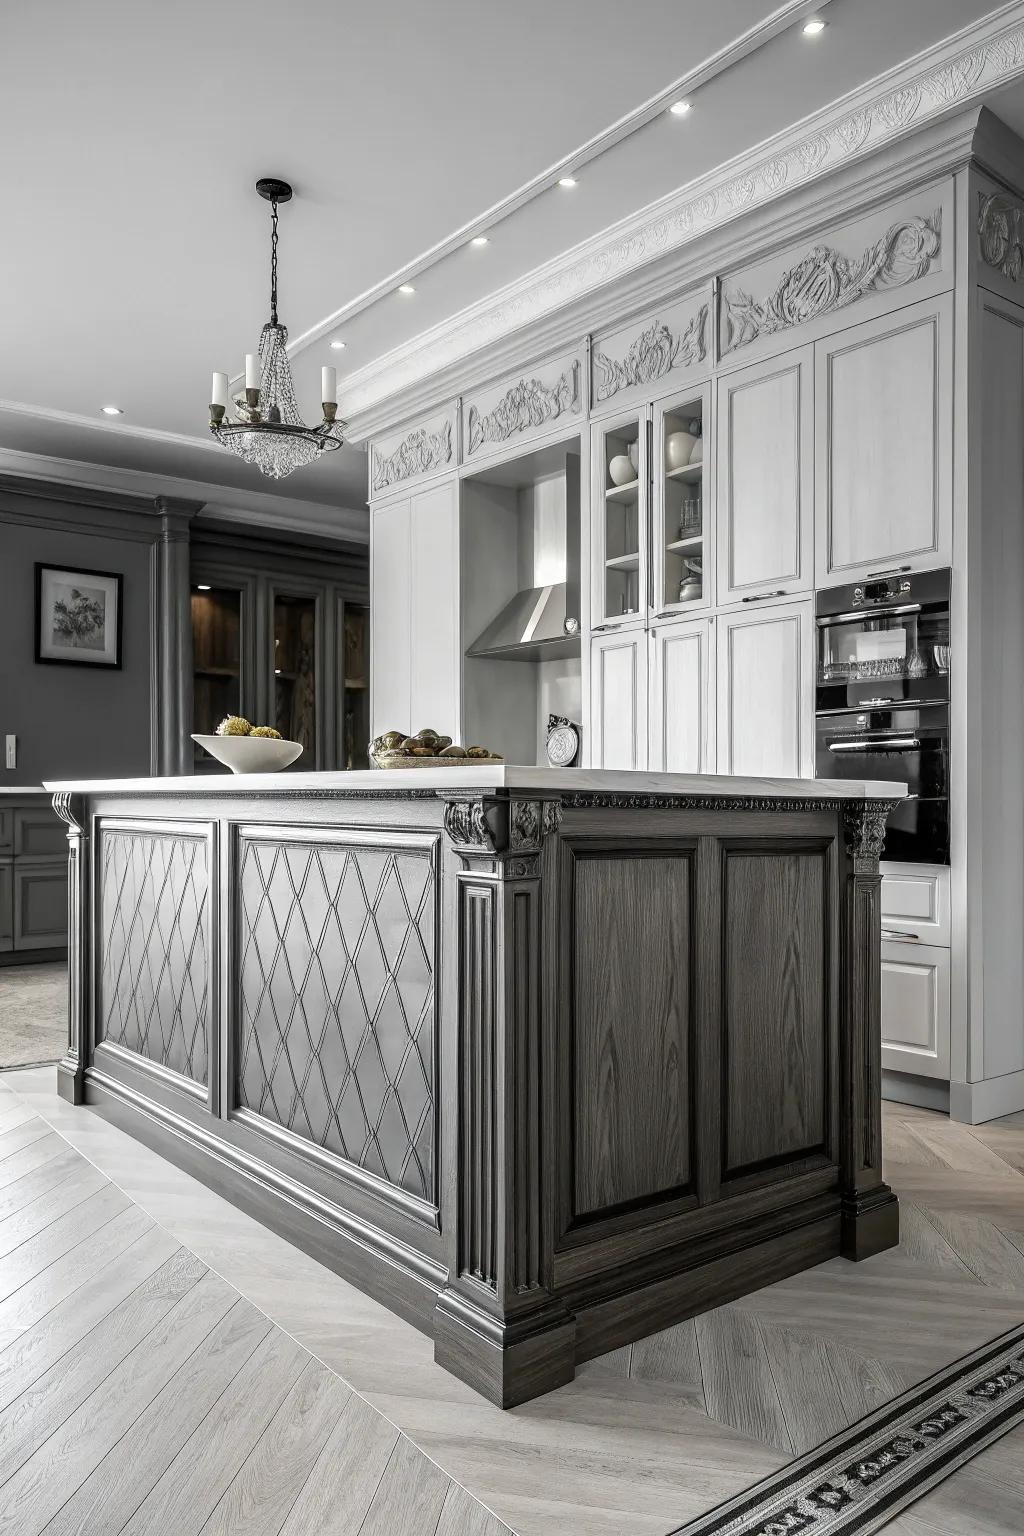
(273,262)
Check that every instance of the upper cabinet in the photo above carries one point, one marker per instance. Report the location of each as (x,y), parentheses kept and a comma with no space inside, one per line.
(682,542)
(765,468)
(620,477)
(883,414)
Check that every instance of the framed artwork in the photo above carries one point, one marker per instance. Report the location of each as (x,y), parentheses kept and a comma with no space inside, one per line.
(78,616)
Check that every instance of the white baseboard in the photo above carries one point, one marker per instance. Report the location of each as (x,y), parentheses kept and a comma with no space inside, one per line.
(923,1092)
(988,1099)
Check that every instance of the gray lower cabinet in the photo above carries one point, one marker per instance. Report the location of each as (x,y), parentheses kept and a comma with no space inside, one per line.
(33,881)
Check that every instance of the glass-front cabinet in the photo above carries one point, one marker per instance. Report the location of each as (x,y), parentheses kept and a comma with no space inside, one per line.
(621,480)
(682,553)
(218,684)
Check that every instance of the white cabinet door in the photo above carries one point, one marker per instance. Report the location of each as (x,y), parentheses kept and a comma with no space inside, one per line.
(682,708)
(390,619)
(435,668)
(765,470)
(884,444)
(618,695)
(915,1009)
(766,690)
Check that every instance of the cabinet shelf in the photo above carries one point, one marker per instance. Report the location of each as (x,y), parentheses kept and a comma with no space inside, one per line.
(624,562)
(688,472)
(692,541)
(628,492)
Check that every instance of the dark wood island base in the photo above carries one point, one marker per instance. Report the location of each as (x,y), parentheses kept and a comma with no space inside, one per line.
(543,1060)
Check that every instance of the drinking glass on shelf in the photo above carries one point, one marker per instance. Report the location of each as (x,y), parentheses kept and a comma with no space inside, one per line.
(690,518)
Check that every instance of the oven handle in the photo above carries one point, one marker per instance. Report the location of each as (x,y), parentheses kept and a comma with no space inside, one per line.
(878,744)
(866,613)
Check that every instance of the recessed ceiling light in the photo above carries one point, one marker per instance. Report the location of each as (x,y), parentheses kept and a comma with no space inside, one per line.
(111,410)
(202,586)
(567,181)
(339,346)
(813,27)
(406,288)
(479,240)
(679,108)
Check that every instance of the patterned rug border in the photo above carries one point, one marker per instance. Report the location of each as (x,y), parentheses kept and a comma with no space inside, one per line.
(855,1482)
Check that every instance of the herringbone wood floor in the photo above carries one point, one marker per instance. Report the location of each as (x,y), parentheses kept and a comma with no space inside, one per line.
(645,1438)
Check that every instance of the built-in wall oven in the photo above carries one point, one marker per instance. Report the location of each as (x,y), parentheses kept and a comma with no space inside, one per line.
(882,700)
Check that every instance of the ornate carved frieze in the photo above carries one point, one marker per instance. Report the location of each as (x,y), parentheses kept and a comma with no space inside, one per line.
(527,404)
(826,280)
(1001,234)
(654,352)
(417,453)
(582,800)
(500,828)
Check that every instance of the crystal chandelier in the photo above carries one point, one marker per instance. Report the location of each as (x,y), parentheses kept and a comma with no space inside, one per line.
(268,430)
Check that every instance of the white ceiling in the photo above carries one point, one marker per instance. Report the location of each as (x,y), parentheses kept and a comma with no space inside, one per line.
(134,253)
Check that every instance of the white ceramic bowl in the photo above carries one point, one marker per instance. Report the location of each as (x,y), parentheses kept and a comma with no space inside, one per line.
(621,469)
(251,754)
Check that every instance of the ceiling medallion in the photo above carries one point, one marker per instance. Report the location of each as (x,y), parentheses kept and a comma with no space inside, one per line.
(268,430)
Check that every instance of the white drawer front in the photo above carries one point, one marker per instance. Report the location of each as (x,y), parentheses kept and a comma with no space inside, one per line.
(915,902)
(915,1009)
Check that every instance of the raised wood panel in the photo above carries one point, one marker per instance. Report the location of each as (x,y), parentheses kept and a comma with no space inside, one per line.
(915,1009)
(6,905)
(632,1077)
(40,904)
(619,700)
(766,691)
(915,899)
(766,483)
(682,701)
(390,620)
(883,443)
(775,1011)
(38,833)
(434,582)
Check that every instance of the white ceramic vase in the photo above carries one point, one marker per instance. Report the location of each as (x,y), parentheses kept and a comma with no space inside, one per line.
(678,447)
(621,470)
(697,454)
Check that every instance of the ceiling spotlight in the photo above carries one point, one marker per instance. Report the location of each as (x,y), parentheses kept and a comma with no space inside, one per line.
(338,346)
(202,586)
(813,27)
(679,108)
(111,410)
(406,288)
(567,181)
(479,240)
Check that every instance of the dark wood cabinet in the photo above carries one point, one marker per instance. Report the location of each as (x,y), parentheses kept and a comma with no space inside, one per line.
(280,634)
(33,879)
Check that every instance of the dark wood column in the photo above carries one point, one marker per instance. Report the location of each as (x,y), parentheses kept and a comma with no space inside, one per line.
(173,660)
(71,1069)
(497,1324)
(870,1210)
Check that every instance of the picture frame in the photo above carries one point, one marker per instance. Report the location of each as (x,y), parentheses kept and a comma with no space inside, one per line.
(78,616)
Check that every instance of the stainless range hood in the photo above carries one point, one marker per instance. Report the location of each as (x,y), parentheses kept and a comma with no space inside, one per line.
(531,627)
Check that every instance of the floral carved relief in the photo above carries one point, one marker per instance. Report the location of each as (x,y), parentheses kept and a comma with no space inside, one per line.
(826,280)
(1001,234)
(527,404)
(415,455)
(654,353)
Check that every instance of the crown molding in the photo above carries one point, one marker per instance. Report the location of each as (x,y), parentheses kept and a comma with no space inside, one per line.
(226,504)
(942,80)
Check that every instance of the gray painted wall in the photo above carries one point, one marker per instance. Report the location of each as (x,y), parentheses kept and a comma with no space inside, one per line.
(72,722)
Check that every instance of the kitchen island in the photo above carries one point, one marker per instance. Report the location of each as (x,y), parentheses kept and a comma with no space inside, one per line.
(545,1060)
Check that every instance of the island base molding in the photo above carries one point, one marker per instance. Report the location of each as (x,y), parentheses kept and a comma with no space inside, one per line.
(541,1070)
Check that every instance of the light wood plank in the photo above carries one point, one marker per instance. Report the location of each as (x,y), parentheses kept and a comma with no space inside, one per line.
(34,1156)
(131,1469)
(36,1216)
(341,1486)
(268,1482)
(46,1290)
(671,1355)
(53,1397)
(921,1241)
(958,1148)
(187,1493)
(738,1383)
(983,1248)
(37,1348)
(31,1185)
(60,1238)
(14,1115)
(63,1462)
(462,1515)
(614,1363)
(409,1497)
(22,1136)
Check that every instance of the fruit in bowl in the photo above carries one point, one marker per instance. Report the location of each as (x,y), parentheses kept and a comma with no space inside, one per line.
(246,748)
(394,749)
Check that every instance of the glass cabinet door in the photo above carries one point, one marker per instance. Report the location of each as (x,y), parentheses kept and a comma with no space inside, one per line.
(683,579)
(295,673)
(216,661)
(620,493)
(354,620)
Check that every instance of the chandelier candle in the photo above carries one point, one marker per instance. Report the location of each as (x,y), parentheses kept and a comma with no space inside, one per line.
(268,430)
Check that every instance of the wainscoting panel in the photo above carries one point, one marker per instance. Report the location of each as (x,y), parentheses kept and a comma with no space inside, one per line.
(633,1081)
(154,969)
(335,999)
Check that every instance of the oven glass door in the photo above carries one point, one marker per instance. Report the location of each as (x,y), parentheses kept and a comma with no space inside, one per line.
(884,657)
(900,745)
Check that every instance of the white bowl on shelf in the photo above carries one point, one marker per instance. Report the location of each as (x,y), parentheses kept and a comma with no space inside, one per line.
(251,754)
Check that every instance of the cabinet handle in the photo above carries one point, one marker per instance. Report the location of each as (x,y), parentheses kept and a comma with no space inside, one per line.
(877,744)
(762,597)
(893,570)
(901,933)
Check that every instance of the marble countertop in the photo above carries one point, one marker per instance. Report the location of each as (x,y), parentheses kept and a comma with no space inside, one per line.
(489,777)
(24,789)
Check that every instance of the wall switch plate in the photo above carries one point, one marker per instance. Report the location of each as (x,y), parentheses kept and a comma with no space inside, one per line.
(11,755)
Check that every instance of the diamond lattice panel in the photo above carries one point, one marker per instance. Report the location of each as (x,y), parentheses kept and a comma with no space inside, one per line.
(336,1002)
(154,980)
